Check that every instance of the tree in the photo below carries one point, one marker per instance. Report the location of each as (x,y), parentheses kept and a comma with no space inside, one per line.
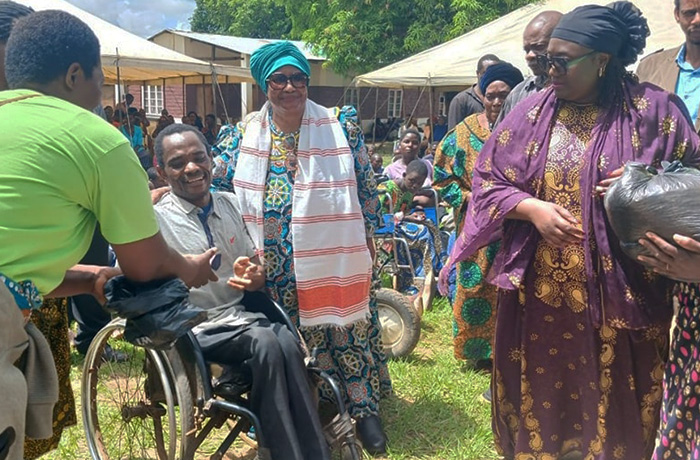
(355,35)
(470,14)
(242,18)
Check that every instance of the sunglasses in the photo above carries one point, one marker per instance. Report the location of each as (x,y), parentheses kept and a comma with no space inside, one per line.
(561,65)
(279,80)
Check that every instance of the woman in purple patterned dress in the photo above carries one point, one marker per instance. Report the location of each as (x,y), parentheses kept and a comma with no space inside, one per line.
(581,331)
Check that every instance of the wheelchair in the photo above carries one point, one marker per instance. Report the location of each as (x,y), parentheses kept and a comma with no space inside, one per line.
(399,319)
(162,404)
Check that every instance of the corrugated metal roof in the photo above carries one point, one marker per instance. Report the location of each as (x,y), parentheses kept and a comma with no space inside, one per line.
(138,59)
(242,45)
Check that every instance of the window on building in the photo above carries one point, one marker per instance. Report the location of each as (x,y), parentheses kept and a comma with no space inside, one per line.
(352,97)
(153,100)
(394,103)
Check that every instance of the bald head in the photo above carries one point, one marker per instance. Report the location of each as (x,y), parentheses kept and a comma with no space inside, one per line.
(536,38)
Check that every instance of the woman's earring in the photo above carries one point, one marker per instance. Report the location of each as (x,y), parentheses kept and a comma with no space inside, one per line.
(601,72)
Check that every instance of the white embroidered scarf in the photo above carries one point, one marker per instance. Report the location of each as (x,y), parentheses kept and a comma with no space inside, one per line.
(332,263)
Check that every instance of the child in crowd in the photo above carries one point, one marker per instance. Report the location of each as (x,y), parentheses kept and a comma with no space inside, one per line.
(426,249)
(377,164)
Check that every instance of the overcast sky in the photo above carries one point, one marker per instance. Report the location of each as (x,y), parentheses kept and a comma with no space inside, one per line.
(142,17)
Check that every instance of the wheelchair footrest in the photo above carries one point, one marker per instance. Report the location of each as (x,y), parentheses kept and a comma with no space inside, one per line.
(230,391)
(339,429)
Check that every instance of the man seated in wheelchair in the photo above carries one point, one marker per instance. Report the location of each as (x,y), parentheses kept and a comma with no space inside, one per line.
(421,234)
(193,219)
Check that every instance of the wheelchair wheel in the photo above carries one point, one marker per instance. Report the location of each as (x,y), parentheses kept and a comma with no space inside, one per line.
(400,323)
(136,408)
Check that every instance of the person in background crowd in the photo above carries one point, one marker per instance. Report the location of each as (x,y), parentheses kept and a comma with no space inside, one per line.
(423,237)
(165,120)
(154,178)
(125,105)
(195,119)
(408,148)
(109,113)
(143,119)
(440,128)
(118,118)
(211,129)
(50,174)
(427,131)
(535,41)
(144,123)
(278,153)
(281,394)
(582,331)
(377,162)
(131,129)
(430,153)
(410,123)
(470,101)
(678,70)
(474,305)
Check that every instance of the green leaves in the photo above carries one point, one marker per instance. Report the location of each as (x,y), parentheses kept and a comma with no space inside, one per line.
(242,18)
(356,35)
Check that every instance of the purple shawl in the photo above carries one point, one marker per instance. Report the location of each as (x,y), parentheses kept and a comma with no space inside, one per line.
(648,126)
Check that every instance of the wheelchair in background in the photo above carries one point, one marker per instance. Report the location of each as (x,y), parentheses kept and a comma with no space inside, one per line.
(399,318)
(163,404)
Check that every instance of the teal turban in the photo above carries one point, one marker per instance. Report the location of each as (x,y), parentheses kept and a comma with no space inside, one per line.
(266,59)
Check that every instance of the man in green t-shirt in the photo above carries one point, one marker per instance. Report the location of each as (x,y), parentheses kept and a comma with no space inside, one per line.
(63,170)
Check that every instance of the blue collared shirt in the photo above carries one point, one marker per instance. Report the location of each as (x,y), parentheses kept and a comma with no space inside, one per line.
(688,86)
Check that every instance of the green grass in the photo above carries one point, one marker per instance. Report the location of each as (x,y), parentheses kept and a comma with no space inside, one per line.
(435,413)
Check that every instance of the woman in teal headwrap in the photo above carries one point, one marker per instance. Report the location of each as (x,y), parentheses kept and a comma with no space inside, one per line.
(307,193)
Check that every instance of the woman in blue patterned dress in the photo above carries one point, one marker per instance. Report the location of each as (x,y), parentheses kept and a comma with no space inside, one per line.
(351,350)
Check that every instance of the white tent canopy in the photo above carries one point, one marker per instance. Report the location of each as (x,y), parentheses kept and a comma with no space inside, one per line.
(138,59)
(454,63)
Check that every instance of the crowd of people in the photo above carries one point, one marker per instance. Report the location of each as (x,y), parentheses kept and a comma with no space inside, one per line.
(585,356)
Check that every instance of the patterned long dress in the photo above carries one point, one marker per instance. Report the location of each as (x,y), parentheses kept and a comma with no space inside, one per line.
(679,436)
(353,355)
(474,304)
(562,387)
(52,320)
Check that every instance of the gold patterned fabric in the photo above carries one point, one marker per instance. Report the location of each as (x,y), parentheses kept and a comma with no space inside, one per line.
(52,320)
(563,387)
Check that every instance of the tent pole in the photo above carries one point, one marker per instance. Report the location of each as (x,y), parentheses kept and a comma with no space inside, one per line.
(119,81)
(164,104)
(420,96)
(184,98)
(204,95)
(214,82)
(374,122)
(225,102)
(430,116)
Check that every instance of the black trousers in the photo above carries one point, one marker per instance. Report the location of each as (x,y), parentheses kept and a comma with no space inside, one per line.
(85,310)
(281,394)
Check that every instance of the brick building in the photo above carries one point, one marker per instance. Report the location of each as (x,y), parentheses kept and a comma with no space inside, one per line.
(326,87)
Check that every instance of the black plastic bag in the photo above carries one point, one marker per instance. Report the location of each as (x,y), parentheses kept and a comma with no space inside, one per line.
(645,199)
(157,313)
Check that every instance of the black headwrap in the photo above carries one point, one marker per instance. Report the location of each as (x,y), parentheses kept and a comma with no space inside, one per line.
(618,29)
(501,71)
